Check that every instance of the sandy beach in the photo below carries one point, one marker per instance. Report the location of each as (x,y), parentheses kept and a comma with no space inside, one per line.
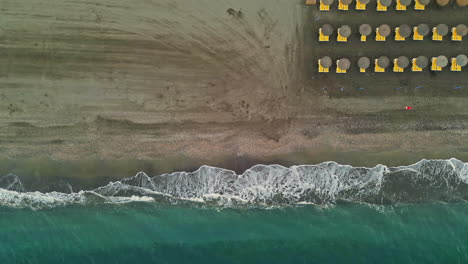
(171,85)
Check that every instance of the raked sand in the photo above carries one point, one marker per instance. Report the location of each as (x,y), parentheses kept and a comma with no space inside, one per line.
(208,81)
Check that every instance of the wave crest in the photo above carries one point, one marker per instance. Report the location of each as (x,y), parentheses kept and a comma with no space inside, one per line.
(269,185)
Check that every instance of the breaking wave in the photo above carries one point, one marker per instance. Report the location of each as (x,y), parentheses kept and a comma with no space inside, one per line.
(327,183)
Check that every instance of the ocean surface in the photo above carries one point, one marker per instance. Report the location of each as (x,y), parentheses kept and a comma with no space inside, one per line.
(325,213)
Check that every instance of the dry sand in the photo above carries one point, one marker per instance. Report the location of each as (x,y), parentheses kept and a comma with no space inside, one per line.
(213,82)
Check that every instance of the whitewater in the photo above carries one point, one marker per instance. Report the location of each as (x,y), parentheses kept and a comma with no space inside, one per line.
(324,184)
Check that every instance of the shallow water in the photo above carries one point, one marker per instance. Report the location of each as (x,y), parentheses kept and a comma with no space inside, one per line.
(408,214)
(146,232)
(261,186)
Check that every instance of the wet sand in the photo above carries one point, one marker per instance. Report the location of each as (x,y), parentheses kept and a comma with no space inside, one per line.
(171,85)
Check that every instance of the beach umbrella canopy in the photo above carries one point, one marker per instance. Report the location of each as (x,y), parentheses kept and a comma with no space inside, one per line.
(327,2)
(405,31)
(345,31)
(365,2)
(363,62)
(422,62)
(344,63)
(462,60)
(402,62)
(326,62)
(327,30)
(462,2)
(424,2)
(385,3)
(384,30)
(442,2)
(405,2)
(442,61)
(462,30)
(423,29)
(365,29)
(442,30)
(346,2)
(383,62)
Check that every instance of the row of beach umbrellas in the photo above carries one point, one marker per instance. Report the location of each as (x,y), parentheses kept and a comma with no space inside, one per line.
(402,62)
(387,3)
(403,31)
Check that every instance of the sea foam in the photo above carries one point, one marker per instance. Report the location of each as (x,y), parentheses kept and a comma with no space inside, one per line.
(327,183)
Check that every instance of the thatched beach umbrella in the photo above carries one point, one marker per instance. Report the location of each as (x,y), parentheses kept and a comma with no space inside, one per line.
(462,30)
(343,63)
(385,3)
(441,61)
(424,2)
(443,2)
(402,62)
(365,29)
(405,31)
(365,2)
(346,2)
(442,30)
(327,2)
(405,2)
(423,29)
(462,60)
(422,62)
(326,62)
(327,30)
(383,62)
(345,31)
(462,2)
(384,30)
(363,63)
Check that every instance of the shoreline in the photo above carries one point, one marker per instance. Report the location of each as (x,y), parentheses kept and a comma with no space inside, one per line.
(38,174)
(140,86)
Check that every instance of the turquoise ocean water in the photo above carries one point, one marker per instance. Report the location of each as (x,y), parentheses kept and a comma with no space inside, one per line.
(148,233)
(324,213)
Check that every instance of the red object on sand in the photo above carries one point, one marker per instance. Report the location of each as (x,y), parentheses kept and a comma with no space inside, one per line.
(408,108)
